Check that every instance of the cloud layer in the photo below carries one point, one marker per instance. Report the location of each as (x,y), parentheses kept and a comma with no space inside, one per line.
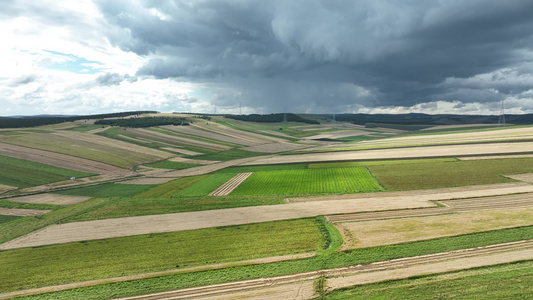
(310,56)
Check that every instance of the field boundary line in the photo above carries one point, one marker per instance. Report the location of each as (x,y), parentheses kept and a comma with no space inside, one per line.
(89,283)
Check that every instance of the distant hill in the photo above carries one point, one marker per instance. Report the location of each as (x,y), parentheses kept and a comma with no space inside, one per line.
(39,120)
(429,120)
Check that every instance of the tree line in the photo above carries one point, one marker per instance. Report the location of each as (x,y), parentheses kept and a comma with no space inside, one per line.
(143,122)
(32,121)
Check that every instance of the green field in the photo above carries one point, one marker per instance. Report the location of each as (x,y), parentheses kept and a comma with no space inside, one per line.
(166,164)
(309,181)
(56,264)
(325,259)
(24,173)
(108,190)
(509,281)
(436,174)
(206,186)
(5,219)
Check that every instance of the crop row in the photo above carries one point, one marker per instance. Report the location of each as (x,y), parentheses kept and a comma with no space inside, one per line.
(309,181)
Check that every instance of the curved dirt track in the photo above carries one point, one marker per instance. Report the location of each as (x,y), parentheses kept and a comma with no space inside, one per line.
(357,274)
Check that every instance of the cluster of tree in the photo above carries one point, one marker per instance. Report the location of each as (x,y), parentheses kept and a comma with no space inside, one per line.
(143,122)
(32,121)
(425,119)
(271,118)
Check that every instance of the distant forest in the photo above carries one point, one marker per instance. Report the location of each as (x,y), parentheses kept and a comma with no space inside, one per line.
(32,121)
(143,122)
(432,120)
(271,118)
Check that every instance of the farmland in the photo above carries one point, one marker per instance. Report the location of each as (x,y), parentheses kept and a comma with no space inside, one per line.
(23,173)
(311,181)
(149,209)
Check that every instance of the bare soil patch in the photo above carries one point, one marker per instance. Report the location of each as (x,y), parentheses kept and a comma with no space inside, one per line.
(182,151)
(495,157)
(239,134)
(147,180)
(49,198)
(21,212)
(6,188)
(231,185)
(101,229)
(389,232)
(148,134)
(58,159)
(192,161)
(528,177)
(205,132)
(401,153)
(275,147)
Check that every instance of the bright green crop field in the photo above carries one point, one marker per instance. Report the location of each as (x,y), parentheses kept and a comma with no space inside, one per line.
(309,181)
(23,173)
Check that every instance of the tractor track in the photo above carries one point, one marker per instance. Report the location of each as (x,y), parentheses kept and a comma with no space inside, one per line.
(231,287)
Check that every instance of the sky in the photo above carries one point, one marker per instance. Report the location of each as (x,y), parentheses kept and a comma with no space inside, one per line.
(79,57)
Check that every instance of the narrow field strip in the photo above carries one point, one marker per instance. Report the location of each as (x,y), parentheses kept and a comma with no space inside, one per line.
(119,227)
(402,153)
(22,212)
(89,283)
(366,273)
(231,184)
(49,198)
(452,206)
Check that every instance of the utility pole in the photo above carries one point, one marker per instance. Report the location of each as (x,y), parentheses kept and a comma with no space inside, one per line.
(501,119)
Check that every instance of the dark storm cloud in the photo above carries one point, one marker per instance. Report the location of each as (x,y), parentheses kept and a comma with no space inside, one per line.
(333,54)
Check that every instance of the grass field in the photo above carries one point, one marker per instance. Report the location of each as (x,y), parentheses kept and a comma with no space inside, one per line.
(206,186)
(56,264)
(165,164)
(23,173)
(325,259)
(108,190)
(5,219)
(436,174)
(510,281)
(310,181)
(172,188)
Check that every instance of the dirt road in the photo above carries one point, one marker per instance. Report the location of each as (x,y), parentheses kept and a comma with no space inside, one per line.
(342,277)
